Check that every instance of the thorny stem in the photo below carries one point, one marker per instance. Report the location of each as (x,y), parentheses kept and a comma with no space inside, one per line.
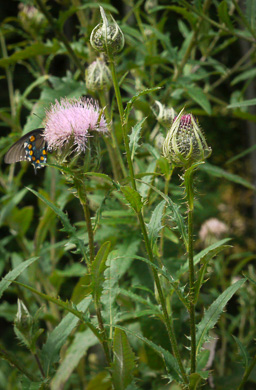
(247,373)
(166,187)
(62,37)
(167,319)
(190,200)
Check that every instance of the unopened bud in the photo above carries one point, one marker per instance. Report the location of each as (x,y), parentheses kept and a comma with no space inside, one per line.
(98,76)
(32,20)
(163,114)
(23,320)
(107,37)
(185,143)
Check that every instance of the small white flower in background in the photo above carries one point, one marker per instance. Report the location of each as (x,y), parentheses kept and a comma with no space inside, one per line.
(212,230)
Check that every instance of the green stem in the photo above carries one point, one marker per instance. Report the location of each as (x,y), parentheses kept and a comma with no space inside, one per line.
(61,36)
(247,373)
(85,204)
(167,319)
(116,149)
(190,200)
(39,364)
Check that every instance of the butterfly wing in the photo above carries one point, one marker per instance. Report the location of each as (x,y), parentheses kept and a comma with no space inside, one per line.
(20,150)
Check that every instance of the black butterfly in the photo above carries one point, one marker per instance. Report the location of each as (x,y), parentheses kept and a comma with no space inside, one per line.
(31,147)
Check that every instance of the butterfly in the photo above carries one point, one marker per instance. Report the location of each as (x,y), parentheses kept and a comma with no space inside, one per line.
(31,147)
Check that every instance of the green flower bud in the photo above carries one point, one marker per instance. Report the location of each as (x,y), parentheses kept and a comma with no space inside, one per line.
(185,143)
(98,76)
(107,38)
(164,115)
(23,320)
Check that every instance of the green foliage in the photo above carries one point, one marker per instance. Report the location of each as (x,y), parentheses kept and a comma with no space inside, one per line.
(124,361)
(113,240)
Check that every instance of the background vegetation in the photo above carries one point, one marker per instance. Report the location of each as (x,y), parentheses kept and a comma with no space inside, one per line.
(202,56)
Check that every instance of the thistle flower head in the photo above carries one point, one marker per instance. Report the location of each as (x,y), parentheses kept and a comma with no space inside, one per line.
(107,38)
(163,114)
(185,143)
(73,121)
(98,76)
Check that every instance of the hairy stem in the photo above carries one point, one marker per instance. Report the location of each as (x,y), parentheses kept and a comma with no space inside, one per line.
(167,319)
(190,200)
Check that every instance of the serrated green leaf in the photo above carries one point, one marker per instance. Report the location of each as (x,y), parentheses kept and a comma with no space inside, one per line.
(208,256)
(134,98)
(80,345)
(243,352)
(168,359)
(124,361)
(133,198)
(56,339)
(211,316)
(155,223)
(98,268)
(115,270)
(135,136)
(12,275)
(202,256)
(219,172)
(197,94)
(65,221)
(176,216)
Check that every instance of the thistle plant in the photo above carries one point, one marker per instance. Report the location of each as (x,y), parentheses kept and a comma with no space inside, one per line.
(103,240)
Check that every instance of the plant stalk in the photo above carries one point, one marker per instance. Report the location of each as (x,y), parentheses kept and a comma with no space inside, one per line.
(190,200)
(85,204)
(247,373)
(167,319)
(116,151)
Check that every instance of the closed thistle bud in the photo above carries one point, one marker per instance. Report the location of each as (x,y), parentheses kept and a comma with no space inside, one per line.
(185,143)
(98,76)
(23,319)
(107,38)
(163,114)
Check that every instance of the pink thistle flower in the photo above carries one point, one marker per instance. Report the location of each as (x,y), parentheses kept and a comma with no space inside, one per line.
(73,120)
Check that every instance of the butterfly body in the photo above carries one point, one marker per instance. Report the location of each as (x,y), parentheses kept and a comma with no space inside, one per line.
(31,147)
